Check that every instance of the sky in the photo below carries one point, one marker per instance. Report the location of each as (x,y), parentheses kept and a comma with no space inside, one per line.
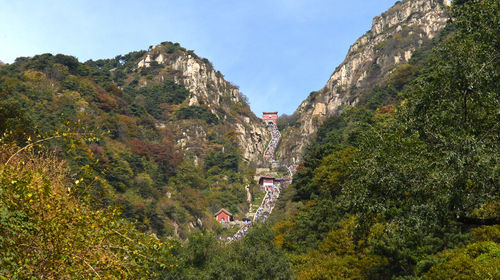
(276,51)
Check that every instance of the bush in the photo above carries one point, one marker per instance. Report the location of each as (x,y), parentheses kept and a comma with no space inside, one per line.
(197,112)
(48,233)
(169,92)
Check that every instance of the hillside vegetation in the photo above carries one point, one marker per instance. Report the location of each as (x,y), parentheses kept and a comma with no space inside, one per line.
(396,37)
(97,180)
(136,154)
(409,190)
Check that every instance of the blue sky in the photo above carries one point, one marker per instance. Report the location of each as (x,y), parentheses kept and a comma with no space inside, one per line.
(277,51)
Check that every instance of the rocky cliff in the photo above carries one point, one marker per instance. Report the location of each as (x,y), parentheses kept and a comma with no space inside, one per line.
(176,142)
(393,38)
(208,89)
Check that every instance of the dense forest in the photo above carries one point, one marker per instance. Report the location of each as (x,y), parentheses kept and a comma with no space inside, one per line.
(408,190)
(402,186)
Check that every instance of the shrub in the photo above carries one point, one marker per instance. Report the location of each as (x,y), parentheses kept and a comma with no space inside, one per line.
(197,112)
(48,233)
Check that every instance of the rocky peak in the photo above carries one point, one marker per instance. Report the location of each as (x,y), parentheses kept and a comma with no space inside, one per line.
(202,80)
(208,88)
(407,11)
(391,41)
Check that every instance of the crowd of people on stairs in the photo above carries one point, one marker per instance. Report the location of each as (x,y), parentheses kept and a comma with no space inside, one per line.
(292,169)
(272,192)
(265,209)
(273,145)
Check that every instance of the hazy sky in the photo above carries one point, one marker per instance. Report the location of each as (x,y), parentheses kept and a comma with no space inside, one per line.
(277,51)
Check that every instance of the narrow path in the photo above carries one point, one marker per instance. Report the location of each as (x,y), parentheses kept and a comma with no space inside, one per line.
(272,192)
(273,144)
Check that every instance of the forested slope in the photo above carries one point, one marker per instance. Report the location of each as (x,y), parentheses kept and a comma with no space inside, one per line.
(404,185)
(409,189)
(170,146)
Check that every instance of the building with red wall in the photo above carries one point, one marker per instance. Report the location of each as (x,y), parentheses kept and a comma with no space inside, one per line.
(266,181)
(223,216)
(270,117)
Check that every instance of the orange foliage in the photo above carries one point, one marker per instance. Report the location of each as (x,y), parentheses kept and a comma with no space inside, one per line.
(106,101)
(163,154)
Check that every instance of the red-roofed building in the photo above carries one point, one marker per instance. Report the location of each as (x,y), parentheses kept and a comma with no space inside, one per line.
(270,117)
(223,216)
(266,181)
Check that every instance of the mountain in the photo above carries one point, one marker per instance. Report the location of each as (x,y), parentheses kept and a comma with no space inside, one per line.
(161,133)
(404,184)
(401,185)
(207,88)
(388,46)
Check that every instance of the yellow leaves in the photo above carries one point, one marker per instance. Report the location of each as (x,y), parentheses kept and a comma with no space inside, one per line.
(284,226)
(340,241)
(68,230)
(334,169)
(475,261)
(34,76)
(486,233)
(279,240)
(376,231)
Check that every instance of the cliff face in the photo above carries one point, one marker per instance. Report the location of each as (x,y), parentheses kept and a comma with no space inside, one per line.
(173,135)
(207,89)
(393,38)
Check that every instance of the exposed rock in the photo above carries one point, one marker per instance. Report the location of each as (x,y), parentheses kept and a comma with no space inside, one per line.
(160,59)
(410,21)
(319,109)
(209,89)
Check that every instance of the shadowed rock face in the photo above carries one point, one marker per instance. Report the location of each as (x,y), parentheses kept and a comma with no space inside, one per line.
(393,38)
(208,88)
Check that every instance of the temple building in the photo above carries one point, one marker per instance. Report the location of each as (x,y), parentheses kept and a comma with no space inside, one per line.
(223,216)
(270,117)
(266,181)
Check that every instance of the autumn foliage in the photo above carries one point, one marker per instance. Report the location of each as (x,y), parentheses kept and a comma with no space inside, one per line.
(49,232)
(163,154)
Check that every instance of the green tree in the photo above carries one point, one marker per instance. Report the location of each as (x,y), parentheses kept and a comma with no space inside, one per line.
(454,104)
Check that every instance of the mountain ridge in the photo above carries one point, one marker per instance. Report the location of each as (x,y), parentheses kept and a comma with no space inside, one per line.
(394,36)
(175,141)
(209,89)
